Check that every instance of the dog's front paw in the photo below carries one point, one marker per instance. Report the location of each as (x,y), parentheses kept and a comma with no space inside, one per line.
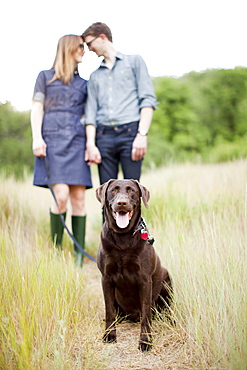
(110,337)
(145,343)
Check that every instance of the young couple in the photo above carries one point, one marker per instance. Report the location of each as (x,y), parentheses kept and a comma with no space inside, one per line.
(118,103)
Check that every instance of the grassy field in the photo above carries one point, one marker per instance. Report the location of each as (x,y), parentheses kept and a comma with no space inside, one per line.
(51,313)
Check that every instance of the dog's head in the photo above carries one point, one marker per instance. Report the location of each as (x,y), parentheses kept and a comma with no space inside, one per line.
(121,200)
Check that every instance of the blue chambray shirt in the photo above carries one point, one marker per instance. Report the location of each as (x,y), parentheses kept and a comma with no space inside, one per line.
(116,96)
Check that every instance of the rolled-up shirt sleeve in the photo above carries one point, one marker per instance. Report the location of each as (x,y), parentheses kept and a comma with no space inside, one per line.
(91,104)
(39,88)
(146,94)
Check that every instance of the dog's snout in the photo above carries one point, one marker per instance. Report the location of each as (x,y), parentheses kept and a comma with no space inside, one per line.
(121,203)
(121,200)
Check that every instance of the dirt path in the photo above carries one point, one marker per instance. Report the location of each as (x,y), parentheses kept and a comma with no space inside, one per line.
(169,351)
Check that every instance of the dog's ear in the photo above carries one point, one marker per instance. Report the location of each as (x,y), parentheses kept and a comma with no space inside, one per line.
(101,192)
(145,194)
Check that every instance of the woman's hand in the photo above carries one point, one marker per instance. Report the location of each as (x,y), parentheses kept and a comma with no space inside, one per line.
(39,148)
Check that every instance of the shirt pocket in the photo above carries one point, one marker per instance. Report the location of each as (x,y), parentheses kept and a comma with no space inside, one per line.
(56,127)
(126,79)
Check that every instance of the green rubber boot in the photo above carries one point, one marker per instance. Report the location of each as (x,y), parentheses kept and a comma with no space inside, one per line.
(79,230)
(57,229)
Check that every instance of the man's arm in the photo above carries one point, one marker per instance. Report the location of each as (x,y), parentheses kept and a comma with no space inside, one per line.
(139,147)
(147,104)
(92,154)
(145,88)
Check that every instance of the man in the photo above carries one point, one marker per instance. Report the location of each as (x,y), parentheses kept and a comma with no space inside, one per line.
(119,108)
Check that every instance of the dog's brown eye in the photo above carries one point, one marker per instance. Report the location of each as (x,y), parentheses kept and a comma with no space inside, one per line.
(130,191)
(114,191)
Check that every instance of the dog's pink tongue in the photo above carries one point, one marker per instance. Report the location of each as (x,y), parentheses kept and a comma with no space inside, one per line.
(122,220)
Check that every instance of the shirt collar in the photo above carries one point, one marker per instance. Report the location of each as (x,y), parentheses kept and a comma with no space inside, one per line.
(118,56)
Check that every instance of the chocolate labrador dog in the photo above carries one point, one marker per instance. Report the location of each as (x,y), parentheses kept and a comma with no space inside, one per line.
(133,279)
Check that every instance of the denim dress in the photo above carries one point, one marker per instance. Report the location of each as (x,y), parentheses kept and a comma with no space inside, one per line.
(62,131)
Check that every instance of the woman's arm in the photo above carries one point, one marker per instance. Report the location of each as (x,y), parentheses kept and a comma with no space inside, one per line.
(37,113)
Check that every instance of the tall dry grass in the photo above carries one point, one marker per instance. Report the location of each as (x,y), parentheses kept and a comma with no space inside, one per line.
(51,313)
(199,215)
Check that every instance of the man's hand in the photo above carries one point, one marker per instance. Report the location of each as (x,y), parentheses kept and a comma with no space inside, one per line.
(139,147)
(92,155)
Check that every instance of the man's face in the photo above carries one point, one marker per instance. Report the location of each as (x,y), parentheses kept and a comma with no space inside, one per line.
(95,44)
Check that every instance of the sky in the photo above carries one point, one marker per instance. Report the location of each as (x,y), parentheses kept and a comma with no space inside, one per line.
(174,37)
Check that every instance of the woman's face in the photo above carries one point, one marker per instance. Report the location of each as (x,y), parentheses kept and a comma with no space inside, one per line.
(79,52)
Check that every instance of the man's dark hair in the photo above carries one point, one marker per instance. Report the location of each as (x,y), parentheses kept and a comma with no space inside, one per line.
(97,29)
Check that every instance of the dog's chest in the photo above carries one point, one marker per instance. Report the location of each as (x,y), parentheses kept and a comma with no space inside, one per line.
(123,269)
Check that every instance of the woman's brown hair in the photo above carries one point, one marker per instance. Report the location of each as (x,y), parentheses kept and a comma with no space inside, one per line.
(64,63)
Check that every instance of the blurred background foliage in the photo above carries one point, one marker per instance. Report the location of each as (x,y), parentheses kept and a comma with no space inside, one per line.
(201,117)
(16,155)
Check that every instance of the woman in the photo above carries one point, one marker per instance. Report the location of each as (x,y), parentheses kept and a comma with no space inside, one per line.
(59,138)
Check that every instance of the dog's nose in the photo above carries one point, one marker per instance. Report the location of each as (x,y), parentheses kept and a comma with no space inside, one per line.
(121,200)
(121,203)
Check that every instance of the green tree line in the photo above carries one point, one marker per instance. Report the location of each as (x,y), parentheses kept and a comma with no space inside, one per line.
(15,141)
(201,116)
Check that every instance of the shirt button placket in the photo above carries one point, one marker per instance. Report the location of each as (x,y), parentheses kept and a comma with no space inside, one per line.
(110,100)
